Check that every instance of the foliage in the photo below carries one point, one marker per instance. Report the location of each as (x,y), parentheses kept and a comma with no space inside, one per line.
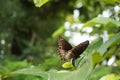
(28,39)
(79,73)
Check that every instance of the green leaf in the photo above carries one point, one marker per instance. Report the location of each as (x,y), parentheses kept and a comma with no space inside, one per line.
(78,74)
(112,41)
(95,45)
(39,3)
(101,20)
(96,58)
(35,71)
(93,50)
(86,56)
(109,1)
(117,1)
(110,52)
(111,77)
(58,31)
(99,72)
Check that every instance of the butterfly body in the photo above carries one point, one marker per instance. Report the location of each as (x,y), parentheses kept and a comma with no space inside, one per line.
(66,51)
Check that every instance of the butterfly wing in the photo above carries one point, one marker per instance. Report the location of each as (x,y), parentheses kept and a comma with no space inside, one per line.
(77,50)
(64,46)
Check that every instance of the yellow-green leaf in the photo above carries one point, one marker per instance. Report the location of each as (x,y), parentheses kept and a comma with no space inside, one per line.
(39,3)
(110,77)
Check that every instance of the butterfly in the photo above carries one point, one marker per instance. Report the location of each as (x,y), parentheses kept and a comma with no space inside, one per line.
(66,51)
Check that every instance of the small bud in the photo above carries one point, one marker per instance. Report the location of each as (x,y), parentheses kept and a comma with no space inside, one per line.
(67,65)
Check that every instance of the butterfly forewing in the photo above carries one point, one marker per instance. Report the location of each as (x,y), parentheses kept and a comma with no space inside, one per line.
(64,47)
(64,44)
(77,50)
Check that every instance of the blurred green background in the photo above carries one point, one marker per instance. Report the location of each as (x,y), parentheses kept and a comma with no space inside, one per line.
(29,34)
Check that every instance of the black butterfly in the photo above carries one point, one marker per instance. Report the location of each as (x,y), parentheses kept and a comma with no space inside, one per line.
(66,51)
